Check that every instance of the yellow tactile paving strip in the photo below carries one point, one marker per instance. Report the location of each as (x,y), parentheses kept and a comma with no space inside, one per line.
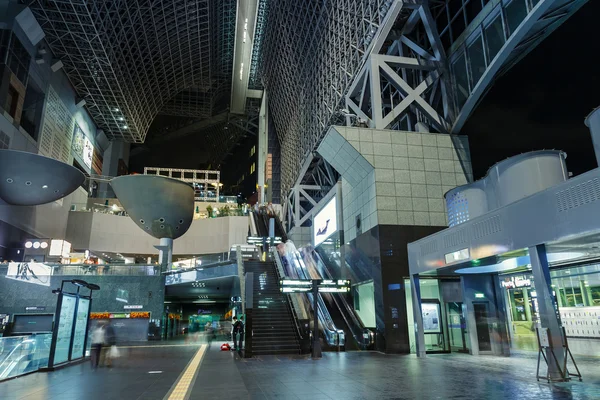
(184,384)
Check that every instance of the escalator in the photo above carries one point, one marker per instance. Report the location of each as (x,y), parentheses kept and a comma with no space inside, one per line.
(261,223)
(357,337)
(293,267)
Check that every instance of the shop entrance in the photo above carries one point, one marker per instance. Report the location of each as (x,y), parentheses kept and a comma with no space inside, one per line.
(482,325)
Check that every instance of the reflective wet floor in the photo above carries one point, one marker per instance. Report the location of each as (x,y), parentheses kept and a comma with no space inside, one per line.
(189,371)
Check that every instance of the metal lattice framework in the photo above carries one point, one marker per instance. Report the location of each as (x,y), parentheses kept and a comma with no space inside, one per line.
(132,59)
(385,63)
(310,54)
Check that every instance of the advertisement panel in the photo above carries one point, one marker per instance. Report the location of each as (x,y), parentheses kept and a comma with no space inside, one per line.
(325,222)
(82,147)
(32,272)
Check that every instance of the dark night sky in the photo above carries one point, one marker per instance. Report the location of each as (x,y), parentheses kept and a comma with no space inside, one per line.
(542,101)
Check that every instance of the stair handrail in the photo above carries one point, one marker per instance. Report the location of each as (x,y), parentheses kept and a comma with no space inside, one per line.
(281,275)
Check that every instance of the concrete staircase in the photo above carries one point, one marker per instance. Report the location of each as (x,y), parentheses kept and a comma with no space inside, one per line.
(273,325)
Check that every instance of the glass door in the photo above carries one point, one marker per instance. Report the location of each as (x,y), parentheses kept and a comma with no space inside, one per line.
(483,326)
(457,327)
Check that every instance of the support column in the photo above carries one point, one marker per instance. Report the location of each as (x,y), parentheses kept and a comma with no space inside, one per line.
(263,149)
(165,254)
(526,306)
(418,315)
(116,151)
(548,309)
(592,121)
(585,294)
(241,274)
(340,223)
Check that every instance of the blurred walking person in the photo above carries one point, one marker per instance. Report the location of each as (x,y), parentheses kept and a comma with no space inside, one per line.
(110,341)
(97,342)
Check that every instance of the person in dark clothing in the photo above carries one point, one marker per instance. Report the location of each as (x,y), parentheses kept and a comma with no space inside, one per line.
(237,329)
(93,189)
(241,331)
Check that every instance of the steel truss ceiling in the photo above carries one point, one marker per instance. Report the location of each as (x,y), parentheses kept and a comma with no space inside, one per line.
(133,59)
(311,52)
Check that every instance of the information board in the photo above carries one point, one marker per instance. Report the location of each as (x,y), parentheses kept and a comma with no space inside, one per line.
(57,129)
(431,317)
(65,329)
(83,310)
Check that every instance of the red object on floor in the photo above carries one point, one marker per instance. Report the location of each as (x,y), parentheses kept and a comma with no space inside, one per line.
(225,347)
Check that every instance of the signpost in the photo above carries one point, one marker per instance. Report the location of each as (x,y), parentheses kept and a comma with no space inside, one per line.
(315,286)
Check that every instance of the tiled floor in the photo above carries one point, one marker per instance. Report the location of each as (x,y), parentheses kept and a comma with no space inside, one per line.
(377,376)
(352,375)
(128,379)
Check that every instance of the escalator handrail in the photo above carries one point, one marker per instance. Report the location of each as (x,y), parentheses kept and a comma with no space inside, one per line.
(253,229)
(329,326)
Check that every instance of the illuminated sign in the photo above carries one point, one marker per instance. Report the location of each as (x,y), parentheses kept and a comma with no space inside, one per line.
(458,255)
(132,307)
(306,285)
(479,295)
(59,248)
(325,222)
(516,282)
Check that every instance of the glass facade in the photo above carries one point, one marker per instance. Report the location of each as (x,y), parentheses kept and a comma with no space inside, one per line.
(484,40)
(577,291)
(14,55)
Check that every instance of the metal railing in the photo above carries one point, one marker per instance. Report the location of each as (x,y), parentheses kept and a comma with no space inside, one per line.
(102,269)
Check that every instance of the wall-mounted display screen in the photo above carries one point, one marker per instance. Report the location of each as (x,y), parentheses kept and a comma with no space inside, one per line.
(32,323)
(325,222)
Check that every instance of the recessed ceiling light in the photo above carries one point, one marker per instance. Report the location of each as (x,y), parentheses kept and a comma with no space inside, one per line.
(45,187)
(36,245)
(116,110)
(28,245)
(124,126)
(44,245)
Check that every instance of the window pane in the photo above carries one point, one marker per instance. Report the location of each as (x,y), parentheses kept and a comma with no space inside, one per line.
(472,10)
(477,60)
(494,35)
(453,7)
(458,26)
(516,12)
(459,68)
